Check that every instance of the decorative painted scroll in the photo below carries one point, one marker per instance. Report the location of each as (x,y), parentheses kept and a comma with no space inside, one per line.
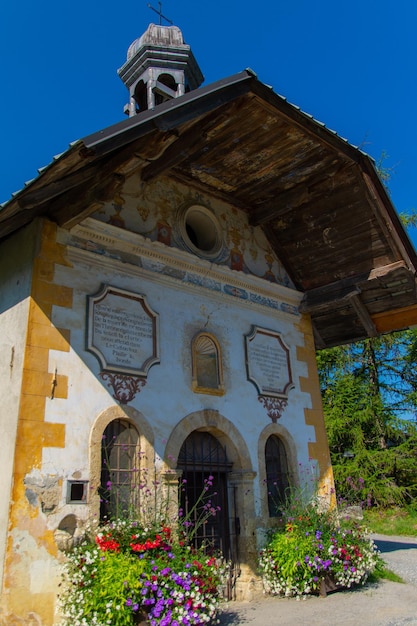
(124,388)
(273,406)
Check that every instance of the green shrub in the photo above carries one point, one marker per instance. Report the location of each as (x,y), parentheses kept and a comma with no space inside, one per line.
(130,570)
(312,546)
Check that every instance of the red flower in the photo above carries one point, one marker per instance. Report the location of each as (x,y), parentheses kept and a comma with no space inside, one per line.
(167,532)
(107,544)
(148,545)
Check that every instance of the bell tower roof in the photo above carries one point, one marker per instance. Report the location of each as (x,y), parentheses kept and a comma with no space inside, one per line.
(159,66)
(157,35)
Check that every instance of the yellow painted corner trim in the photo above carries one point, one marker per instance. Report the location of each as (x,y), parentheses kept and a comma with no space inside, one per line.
(318,449)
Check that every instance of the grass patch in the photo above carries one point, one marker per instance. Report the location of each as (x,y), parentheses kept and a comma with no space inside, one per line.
(388,574)
(395,521)
(381,572)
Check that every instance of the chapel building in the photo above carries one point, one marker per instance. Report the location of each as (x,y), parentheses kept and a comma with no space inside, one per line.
(165,284)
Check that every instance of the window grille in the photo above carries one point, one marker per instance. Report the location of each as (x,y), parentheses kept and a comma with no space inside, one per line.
(277,478)
(120,470)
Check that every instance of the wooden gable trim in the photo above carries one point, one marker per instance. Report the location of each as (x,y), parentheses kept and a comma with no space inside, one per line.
(390,321)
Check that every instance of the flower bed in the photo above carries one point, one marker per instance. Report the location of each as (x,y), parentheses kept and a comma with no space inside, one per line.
(312,550)
(128,573)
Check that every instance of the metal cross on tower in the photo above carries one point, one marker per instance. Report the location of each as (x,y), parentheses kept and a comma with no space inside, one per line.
(161,17)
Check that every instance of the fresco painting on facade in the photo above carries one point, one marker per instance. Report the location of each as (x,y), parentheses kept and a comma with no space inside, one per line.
(160,318)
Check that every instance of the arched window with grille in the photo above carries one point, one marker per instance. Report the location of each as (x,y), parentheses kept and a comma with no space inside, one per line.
(207,371)
(277,476)
(120,470)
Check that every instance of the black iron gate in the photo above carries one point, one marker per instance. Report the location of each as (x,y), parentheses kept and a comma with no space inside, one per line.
(203,491)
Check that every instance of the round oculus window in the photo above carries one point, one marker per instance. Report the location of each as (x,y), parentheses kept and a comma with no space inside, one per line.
(201,231)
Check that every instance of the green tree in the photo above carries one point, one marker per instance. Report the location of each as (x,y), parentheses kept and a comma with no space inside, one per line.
(409,219)
(369,392)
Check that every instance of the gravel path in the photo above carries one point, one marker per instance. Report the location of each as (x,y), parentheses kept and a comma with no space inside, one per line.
(382,604)
(400,554)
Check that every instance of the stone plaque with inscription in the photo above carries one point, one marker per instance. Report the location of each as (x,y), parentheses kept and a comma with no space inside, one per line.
(268,362)
(122,331)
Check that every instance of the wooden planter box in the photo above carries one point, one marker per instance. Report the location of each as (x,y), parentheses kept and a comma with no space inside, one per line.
(328,585)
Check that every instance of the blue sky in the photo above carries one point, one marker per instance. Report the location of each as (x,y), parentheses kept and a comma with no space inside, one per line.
(352,65)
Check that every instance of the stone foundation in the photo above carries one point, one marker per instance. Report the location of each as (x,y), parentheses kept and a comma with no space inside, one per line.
(31,619)
(248,587)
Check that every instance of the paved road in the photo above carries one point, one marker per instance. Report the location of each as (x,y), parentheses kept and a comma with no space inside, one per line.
(382,604)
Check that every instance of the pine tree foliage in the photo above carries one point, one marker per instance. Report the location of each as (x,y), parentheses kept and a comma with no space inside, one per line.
(409,219)
(369,392)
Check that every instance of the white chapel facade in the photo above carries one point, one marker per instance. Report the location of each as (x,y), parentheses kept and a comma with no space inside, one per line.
(149,319)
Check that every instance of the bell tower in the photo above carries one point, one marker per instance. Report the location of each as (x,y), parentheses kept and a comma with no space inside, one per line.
(159,66)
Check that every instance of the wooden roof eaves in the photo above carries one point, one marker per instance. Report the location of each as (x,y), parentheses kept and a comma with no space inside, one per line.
(200,101)
(386,210)
(189,107)
(322,298)
(170,114)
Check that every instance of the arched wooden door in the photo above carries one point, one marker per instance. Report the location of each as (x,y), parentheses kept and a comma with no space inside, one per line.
(205,469)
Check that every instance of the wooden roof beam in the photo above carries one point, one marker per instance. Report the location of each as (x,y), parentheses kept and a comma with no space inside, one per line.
(363,315)
(190,141)
(83,177)
(175,153)
(314,187)
(318,339)
(284,203)
(389,221)
(321,297)
(316,305)
(72,207)
(36,197)
(388,321)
